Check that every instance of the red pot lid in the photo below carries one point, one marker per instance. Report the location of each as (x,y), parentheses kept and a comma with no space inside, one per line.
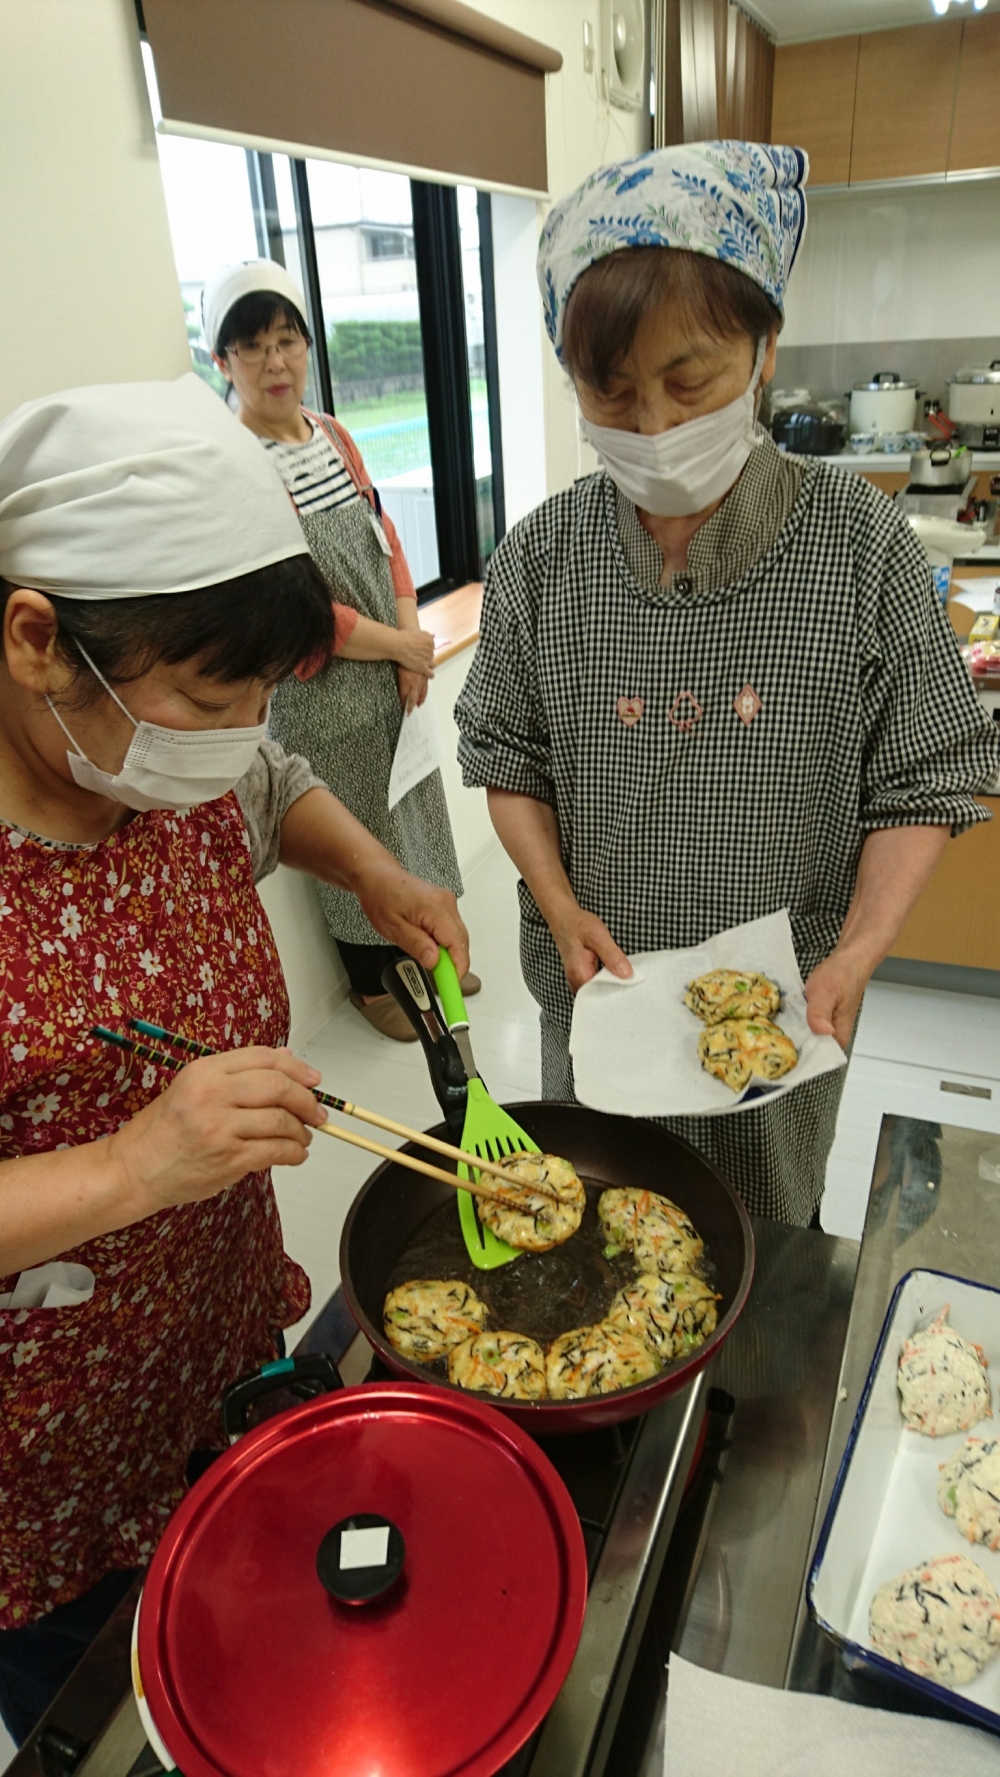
(252,1669)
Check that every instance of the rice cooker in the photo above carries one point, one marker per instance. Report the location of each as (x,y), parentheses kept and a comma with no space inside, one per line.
(974,405)
(886,404)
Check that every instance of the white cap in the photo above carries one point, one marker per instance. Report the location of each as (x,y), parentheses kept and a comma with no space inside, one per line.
(243,278)
(128,489)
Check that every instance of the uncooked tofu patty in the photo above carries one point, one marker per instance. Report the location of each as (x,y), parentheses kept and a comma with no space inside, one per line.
(654,1229)
(505,1364)
(736,1051)
(943,1385)
(597,1360)
(725,993)
(941,1620)
(969,1490)
(541,1223)
(673,1315)
(425,1319)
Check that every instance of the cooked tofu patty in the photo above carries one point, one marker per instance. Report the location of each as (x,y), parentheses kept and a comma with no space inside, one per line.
(597,1360)
(654,1229)
(969,1490)
(941,1620)
(725,993)
(540,1223)
(505,1364)
(943,1385)
(674,1315)
(736,1051)
(426,1318)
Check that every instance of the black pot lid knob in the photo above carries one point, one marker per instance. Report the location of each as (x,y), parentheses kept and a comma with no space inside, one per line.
(361,1558)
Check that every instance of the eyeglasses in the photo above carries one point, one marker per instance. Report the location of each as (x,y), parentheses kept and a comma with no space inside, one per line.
(289,345)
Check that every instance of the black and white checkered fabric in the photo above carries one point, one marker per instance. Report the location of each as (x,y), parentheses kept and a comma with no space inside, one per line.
(867,719)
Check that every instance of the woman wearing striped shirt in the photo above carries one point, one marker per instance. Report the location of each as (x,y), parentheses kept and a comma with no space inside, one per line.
(344,718)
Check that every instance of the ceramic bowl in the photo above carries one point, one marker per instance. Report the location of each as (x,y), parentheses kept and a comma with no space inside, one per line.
(862,441)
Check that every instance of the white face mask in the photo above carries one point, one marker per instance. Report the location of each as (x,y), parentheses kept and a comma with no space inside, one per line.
(166,767)
(683,470)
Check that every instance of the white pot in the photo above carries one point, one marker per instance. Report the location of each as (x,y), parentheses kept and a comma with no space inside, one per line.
(974,396)
(884,405)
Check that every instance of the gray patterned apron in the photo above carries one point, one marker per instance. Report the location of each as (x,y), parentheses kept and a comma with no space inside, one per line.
(346,720)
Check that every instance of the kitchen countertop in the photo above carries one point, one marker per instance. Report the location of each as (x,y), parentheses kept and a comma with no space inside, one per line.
(748,1616)
(898,461)
(929,1209)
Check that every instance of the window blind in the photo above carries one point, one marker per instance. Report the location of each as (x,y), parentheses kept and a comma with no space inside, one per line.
(431,87)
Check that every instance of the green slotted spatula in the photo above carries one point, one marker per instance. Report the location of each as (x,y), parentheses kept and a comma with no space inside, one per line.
(489,1131)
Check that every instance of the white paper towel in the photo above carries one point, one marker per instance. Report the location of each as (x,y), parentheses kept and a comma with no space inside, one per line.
(55,1285)
(635,1044)
(718,1727)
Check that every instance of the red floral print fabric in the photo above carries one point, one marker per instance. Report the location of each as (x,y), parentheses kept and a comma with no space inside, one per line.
(101,1402)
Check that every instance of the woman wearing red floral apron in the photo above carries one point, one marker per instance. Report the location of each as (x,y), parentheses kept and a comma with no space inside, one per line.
(141,1259)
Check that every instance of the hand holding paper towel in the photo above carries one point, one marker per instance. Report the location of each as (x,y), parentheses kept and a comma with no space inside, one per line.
(635,1044)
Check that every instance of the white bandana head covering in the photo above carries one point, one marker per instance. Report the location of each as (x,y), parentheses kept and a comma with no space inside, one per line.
(243,278)
(127,489)
(738,202)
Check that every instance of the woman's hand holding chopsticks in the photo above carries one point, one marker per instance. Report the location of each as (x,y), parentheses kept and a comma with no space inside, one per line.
(220,1118)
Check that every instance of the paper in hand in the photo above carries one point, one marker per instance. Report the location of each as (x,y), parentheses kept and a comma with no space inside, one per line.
(418,751)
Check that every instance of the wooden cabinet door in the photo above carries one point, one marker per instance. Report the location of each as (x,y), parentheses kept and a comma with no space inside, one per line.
(975,131)
(814,104)
(904,99)
(954,921)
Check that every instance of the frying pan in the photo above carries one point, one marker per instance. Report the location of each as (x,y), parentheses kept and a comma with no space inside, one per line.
(607,1150)
(612,1150)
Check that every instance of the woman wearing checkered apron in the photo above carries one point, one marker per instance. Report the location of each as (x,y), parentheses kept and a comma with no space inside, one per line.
(713,681)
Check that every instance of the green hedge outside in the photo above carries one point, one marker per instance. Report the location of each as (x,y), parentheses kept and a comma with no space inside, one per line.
(366,351)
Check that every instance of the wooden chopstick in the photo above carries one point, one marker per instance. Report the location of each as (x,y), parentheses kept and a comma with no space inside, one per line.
(447,1148)
(146,1052)
(400,1159)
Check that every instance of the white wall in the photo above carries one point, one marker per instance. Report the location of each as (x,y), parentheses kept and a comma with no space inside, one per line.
(895,265)
(582,133)
(88,292)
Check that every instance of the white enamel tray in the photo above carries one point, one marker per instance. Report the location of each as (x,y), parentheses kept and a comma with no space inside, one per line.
(884,1514)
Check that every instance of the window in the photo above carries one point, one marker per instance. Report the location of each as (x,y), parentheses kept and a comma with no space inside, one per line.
(371,326)
(388,243)
(399,309)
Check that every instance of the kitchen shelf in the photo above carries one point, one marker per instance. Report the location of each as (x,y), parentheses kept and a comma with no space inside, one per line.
(984,462)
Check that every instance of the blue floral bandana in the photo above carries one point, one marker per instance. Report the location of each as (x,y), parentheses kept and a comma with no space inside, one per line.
(739,202)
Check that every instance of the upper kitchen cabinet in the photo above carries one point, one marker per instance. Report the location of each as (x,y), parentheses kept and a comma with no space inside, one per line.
(975,133)
(814,104)
(904,101)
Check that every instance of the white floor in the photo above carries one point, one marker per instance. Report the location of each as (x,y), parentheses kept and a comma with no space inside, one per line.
(910,1041)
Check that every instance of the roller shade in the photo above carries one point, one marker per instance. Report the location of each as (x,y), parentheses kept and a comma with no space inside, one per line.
(429,86)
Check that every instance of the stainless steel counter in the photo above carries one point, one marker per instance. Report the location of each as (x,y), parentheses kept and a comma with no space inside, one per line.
(782,1366)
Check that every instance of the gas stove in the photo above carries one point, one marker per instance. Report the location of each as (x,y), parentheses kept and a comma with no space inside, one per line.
(645,1493)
